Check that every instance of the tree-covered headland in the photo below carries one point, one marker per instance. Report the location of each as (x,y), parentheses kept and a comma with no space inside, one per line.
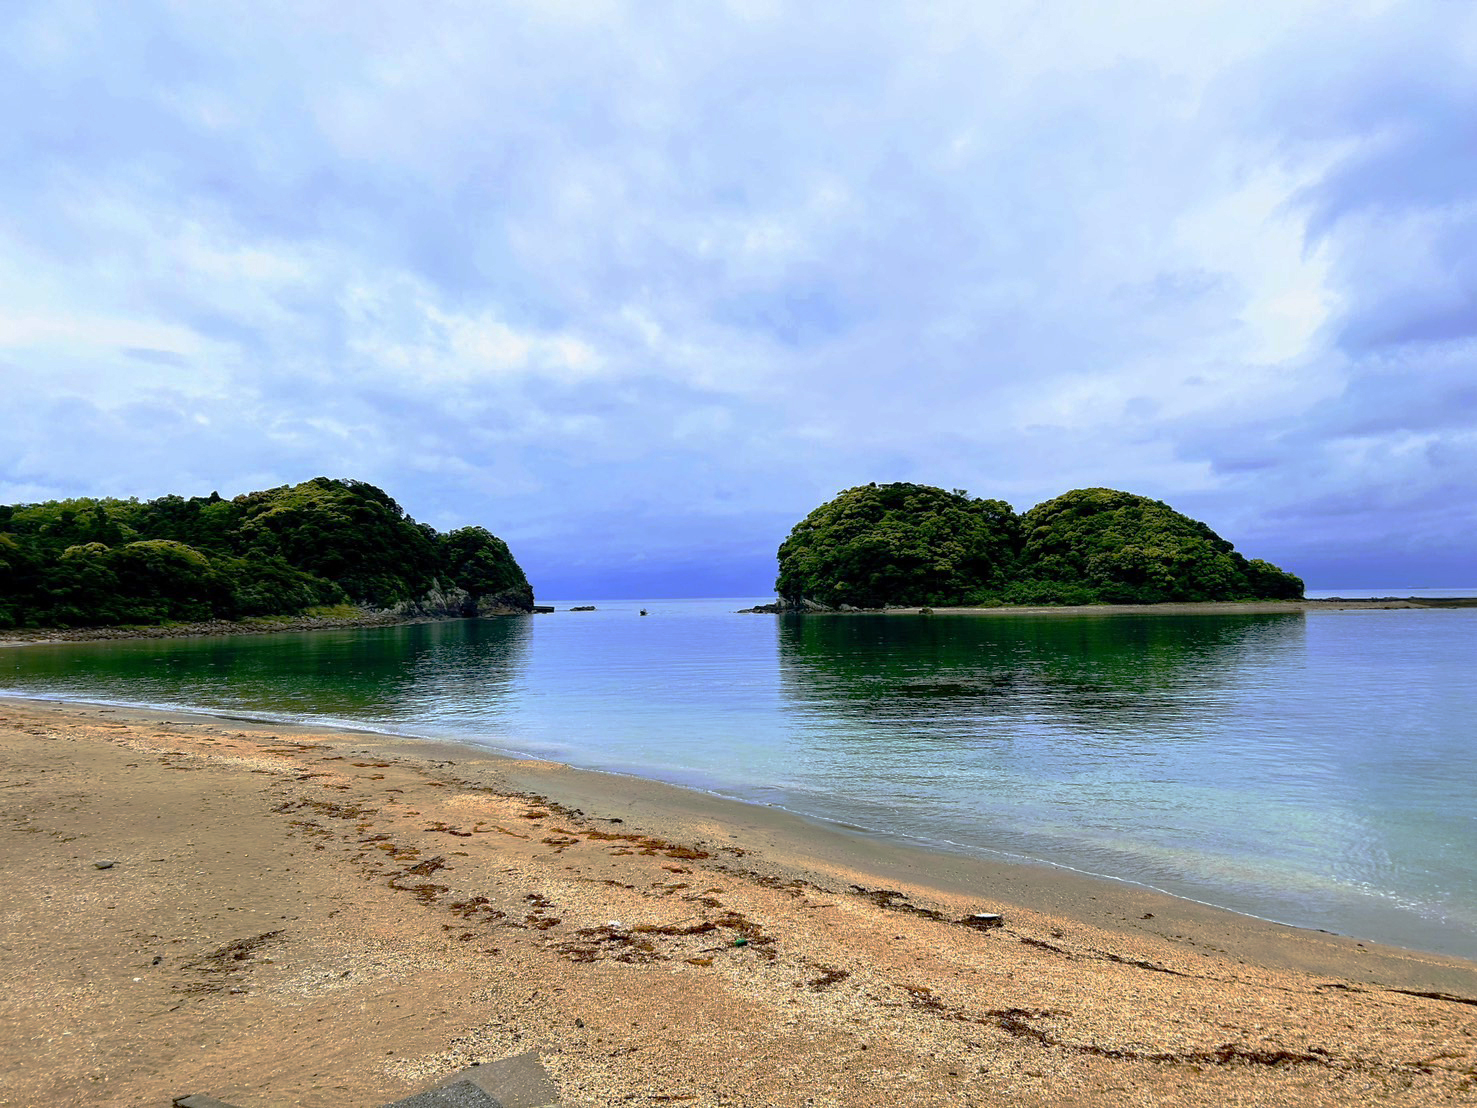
(906,544)
(283,551)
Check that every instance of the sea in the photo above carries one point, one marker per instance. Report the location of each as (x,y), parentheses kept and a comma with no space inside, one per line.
(1314,768)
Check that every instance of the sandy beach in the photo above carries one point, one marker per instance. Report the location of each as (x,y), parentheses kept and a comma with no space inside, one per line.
(295,916)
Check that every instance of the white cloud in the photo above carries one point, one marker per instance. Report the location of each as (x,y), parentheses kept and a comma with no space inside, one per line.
(422,344)
(22,331)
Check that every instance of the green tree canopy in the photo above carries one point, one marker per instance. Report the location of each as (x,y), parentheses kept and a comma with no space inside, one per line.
(1107,546)
(914,545)
(899,544)
(480,563)
(347,532)
(276,552)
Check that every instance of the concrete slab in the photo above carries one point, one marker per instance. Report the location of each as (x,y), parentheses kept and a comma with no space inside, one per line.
(458,1094)
(519,1081)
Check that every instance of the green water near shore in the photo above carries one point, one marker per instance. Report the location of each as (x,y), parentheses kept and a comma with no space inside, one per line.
(1318,769)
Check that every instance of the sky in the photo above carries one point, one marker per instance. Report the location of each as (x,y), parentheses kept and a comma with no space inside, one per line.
(636,286)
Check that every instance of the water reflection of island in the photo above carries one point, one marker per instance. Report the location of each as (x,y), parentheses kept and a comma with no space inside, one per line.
(378,674)
(961,674)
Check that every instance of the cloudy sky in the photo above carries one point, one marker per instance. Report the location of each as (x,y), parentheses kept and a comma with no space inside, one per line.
(637,285)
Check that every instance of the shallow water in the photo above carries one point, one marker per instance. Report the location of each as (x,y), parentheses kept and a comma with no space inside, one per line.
(1317,769)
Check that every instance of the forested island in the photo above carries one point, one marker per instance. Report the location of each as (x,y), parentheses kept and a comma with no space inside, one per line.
(910,545)
(345,546)
(323,545)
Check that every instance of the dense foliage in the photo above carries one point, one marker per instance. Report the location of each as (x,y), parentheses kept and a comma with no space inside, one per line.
(900,544)
(913,545)
(1104,546)
(279,552)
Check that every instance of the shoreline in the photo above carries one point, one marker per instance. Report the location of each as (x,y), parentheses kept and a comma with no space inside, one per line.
(649,939)
(888,851)
(27,636)
(807,844)
(1173,608)
(262,625)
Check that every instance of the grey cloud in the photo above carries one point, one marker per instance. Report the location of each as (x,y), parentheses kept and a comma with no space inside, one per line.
(157,357)
(805,252)
(1393,102)
(1374,119)
(1383,400)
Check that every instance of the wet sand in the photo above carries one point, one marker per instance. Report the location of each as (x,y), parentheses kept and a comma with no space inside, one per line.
(298,916)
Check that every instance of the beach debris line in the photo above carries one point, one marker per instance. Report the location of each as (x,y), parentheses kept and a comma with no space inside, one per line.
(638,944)
(223,969)
(982,921)
(830,975)
(895,901)
(1105,955)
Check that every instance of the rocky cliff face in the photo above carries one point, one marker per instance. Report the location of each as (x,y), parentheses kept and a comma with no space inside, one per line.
(513,602)
(802,605)
(442,601)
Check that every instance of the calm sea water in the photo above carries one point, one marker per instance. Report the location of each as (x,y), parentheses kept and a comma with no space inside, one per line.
(1316,769)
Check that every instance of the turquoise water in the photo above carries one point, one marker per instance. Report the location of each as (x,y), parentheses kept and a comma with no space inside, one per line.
(1319,769)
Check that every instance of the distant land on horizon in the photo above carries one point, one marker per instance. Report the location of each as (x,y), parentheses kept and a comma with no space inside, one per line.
(320,546)
(744,600)
(336,548)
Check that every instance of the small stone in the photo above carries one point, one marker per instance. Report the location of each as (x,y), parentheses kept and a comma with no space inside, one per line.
(105,863)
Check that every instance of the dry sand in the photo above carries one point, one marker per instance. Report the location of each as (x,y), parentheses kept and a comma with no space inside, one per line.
(304,917)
